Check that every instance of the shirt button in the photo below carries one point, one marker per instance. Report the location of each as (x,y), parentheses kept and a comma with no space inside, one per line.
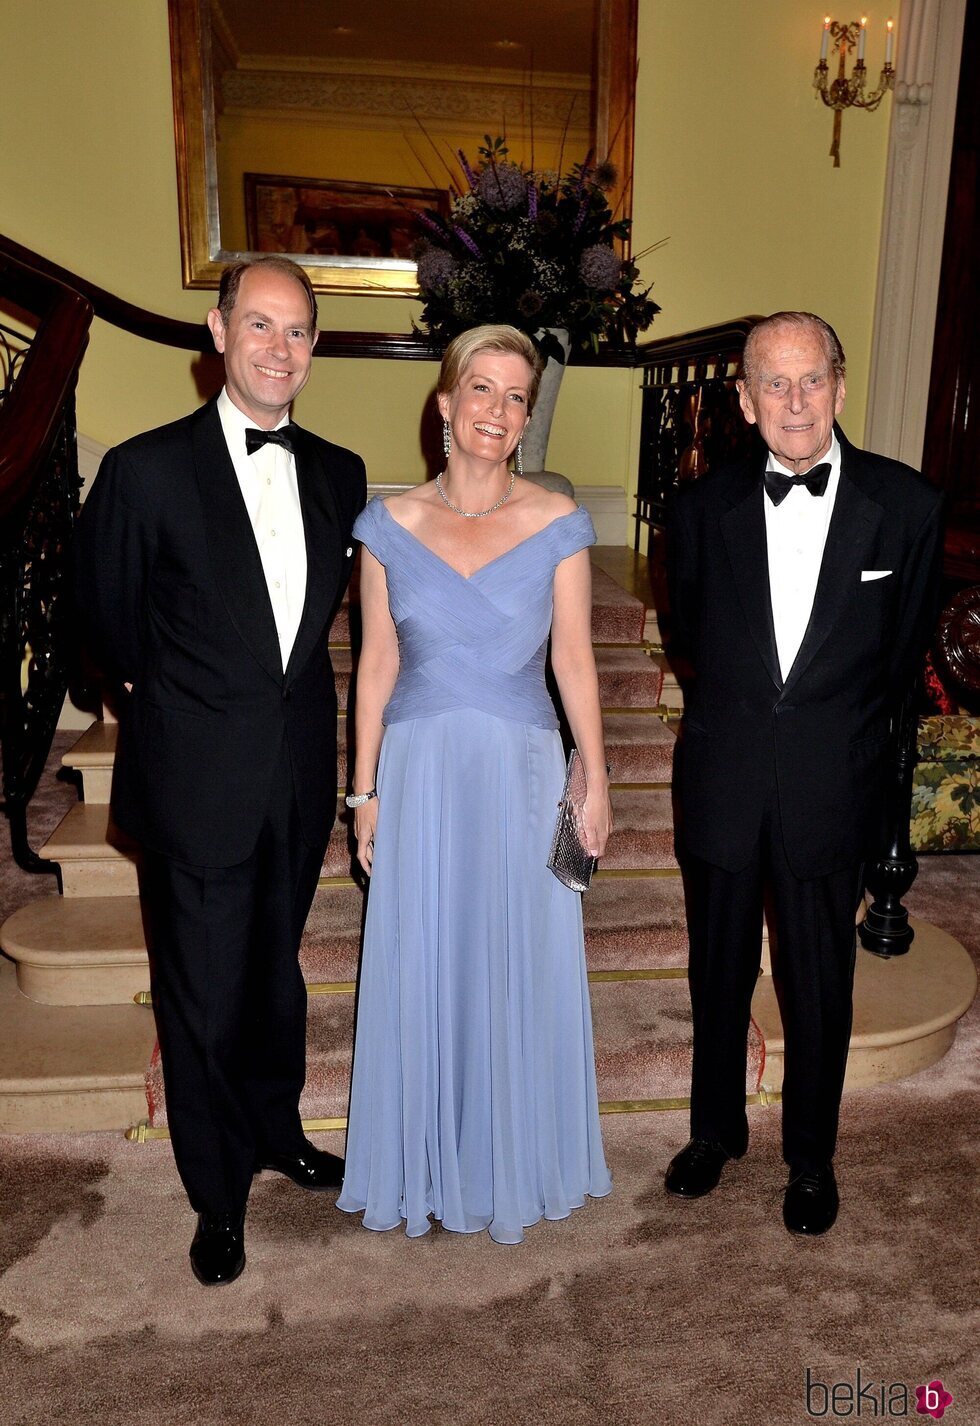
(272,532)
(278,585)
(268,481)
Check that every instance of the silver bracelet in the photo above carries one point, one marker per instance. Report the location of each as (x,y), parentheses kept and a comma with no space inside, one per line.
(358,799)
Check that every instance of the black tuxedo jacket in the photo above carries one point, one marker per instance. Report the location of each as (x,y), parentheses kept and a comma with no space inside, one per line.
(171,587)
(818,740)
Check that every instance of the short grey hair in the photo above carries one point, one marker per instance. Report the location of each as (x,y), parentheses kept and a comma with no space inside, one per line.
(826,333)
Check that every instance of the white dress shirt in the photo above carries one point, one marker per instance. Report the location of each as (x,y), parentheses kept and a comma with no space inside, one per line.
(267,480)
(796,532)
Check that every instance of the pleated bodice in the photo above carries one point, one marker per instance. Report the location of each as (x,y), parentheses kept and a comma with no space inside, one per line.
(478,642)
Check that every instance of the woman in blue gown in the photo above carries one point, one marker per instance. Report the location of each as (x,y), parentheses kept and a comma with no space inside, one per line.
(473,1098)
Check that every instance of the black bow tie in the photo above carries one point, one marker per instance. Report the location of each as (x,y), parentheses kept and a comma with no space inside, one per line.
(255,439)
(778,486)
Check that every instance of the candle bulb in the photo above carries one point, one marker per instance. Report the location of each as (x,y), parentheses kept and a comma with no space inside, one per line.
(861,38)
(889,41)
(825,39)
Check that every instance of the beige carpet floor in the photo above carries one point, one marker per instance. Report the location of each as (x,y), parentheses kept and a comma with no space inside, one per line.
(637,1309)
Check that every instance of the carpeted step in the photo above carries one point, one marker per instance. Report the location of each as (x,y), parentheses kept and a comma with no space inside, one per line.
(342,663)
(338,860)
(346,626)
(629,925)
(331,941)
(617,617)
(635,924)
(628,678)
(639,746)
(642,1037)
(643,832)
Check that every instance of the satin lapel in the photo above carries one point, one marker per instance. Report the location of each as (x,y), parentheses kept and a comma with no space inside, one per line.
(321,527)
(744,530)
(853,525)
(231,543)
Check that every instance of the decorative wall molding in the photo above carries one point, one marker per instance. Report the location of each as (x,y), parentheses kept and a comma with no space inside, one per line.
(450,100)
(920,144)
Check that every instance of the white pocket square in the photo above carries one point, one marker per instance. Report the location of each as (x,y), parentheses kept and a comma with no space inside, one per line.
(867,574)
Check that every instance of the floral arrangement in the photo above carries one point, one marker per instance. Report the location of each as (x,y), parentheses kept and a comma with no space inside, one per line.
(535,249)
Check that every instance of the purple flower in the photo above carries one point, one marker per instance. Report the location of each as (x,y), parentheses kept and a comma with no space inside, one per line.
(502,185)
(467,241)
(532,201)
(599,267)
(529,303)
(431,224)
(470,175)
(435,267)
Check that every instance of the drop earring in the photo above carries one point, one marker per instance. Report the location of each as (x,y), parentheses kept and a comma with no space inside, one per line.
(447,437)
(519,457)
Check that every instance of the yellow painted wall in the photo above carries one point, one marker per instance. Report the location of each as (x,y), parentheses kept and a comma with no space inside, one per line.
(731,164)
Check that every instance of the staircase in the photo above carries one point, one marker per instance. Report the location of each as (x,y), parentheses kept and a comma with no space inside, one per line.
(77,1042)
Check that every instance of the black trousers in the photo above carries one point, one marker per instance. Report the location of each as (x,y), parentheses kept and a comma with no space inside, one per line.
(230,1001)
(813,962)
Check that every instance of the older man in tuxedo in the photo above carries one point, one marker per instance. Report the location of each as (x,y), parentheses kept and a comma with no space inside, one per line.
(212,556)
(802,585)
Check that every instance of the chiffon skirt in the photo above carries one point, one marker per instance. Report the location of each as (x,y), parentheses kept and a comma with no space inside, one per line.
(473,1098)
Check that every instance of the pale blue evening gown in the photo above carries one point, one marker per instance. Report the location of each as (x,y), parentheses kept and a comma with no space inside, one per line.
(473,1098)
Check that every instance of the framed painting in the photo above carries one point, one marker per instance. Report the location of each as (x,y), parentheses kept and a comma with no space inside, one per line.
(324,217)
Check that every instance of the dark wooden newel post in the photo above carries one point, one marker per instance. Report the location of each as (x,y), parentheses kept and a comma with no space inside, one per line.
(885,930)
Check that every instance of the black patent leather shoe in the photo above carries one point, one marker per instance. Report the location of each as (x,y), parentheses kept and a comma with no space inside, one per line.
(811,1202)
(218,1249)
(310,1167)
(696,1170)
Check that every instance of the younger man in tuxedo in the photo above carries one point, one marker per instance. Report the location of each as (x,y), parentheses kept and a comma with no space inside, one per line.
(212,556)
(802,586)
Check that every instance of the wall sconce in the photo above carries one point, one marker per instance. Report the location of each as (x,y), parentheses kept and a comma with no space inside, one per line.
(846,93)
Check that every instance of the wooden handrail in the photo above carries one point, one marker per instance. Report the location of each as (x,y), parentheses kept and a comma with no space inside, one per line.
(33,409)
(389,346)
(703,343)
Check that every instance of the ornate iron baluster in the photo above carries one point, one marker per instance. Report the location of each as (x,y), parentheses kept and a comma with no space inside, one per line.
(690,419)
(35,623)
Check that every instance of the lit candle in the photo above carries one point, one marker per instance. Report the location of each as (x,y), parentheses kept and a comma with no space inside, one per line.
(889,41)
(861,38)
(825,39)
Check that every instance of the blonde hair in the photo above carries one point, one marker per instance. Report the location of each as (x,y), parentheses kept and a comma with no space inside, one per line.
(491,338)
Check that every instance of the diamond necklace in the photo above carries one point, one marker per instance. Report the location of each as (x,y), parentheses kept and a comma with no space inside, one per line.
(476,514)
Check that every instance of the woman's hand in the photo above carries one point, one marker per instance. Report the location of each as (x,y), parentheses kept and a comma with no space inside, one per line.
(365,825)
(596,820)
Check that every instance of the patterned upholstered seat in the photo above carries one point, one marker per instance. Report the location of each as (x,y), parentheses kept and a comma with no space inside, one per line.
(946,785)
